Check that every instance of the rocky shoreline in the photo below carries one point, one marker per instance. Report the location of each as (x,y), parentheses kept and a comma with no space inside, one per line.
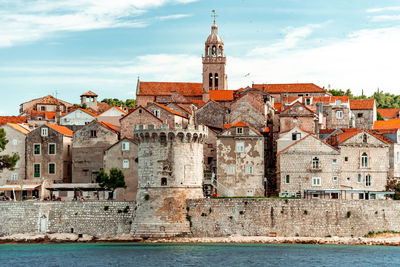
(74,238)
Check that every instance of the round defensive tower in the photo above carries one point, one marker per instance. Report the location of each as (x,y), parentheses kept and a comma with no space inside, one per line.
(170,171)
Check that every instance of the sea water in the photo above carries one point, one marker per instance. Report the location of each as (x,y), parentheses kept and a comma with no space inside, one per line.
(141,254)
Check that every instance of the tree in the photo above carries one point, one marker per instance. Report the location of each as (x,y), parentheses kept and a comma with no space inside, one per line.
(393,185)
(129,103)
(6,161)
(115,179)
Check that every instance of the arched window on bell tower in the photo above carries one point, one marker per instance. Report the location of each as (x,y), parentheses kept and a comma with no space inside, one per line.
(210,80)
(214,51)
(220,51)
(207,51)
(216,81)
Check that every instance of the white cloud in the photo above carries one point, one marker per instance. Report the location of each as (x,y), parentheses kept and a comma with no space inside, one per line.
(385,18)
(21,21)
(176,16)
(292,37)
(383,9)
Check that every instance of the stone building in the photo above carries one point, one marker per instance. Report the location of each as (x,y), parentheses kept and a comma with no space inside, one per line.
(365,162)
(47,103)
(167,115)
(170,172)
(88,147)
(240,161)
(211,114)
(138,116)
(289,137)
(16,136)
(389,113)
(77,117)
(309,168)
(298,115)
(364,112)
(394,151)
(49,153)
(123,155)
(112,115)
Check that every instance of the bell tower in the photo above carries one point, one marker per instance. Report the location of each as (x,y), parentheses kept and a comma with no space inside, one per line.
(214,61)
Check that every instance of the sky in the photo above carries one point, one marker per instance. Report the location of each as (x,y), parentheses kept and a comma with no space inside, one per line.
(65,48)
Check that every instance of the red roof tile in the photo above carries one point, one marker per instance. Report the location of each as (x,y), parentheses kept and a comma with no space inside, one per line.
(278,106)
(300,104)
(290,88)
(170,110)
(222,95)
(89,93)
(388,124)
(239,124)
(305,138)
(19,128)
(362,104)
(166,88)
(389,112)
(12,119)
(110,126)
(61,129)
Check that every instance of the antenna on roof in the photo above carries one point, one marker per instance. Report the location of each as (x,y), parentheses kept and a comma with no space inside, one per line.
(56,93)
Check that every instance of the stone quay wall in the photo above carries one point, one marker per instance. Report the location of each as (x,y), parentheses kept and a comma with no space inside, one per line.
(291,217)
(100,219)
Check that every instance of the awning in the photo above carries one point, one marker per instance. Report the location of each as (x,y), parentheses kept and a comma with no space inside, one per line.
(25,187)
(328,191)
(76,187)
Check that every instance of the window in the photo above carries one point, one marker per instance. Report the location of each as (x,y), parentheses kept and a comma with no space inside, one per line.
(316,181)
(140,111)
(287,179)
(210,78)
(14,176)
(36,149)
(216,80)
(359,178)
(239,130)
(45,132)
(335,179)
(157,113)
(397,156)
(250,192)
(364,138)
(163,181)
(315,163)
(294,120)
(15,142)
(231,169)
(36,170)
(348,179)
(296,136)
(52,168)
(52,149)
(125,164)
(308,101)
(339,114)
(93,133)
(239,147)
(43,108)
(361,195)
(346,159)
(359,115)
(125,146)
(334,161)
(68,150)
(214,51)
(249,169)
(364,160)
(368,180)
(338,102)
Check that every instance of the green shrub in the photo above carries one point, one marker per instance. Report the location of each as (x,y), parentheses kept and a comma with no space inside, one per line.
(106,208)
(348,214)
(146,197)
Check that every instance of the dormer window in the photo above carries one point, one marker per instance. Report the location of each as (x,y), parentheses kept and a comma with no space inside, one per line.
(239,130)
(308,101)
(157,113)
(45,132)
(93,133)
(296,136)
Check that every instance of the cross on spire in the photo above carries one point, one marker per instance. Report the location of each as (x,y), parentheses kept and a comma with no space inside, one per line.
(213,15)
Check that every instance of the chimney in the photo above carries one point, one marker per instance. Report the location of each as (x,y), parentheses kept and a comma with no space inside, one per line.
(58,115)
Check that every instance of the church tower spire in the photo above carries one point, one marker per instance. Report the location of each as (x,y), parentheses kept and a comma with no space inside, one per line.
(214,62)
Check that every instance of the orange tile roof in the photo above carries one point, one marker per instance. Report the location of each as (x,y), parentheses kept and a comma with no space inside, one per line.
(278,106)
(389,112)
(89,93)
(200,102)
(123,111)
(61,129)
(166,88)
(170,110)
(12,119)
(222,95)
(362,104)
(88,112)
(133,110)
(19,128)
(305,138)
(388,124)
(346,135)
(49,99)
(290,88)
(239,124)
(110,126)
(300,104)
(101,107)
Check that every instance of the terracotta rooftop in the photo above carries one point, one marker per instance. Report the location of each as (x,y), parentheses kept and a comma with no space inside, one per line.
(348,133)
(61,129)
(222,95)
(240,124)
(12,119)
(388,124)
(49,99)
(89,93)
(140,107)
(170,110)
(47,115)
(278,106)
(19,128)
(295,104)
(110,126)
(199,102)
(389,113)
(290,88)
(166,88)
(362,104)
(307,136)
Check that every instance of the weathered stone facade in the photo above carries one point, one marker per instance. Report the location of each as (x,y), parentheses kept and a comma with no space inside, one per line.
(139,116)
(297,115)
(89,144)
(49,153)
(124,156)
(168,116)
(240,162)
(211,114)
(170,172)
